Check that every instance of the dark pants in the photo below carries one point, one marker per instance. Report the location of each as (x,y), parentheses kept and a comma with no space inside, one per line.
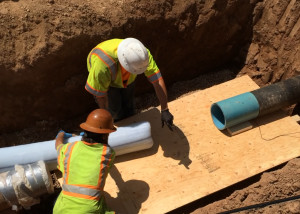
(121,102)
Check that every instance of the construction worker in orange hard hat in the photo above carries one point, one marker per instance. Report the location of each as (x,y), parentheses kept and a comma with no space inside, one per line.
(113,66)
(85,165)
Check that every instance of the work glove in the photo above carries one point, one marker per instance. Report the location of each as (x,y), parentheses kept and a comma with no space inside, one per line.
(66,135)
(167,117)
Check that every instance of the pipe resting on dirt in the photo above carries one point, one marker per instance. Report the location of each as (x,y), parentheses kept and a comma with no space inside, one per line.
(247,106)
(131,138)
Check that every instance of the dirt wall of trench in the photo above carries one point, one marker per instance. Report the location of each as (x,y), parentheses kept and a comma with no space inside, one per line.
(45,45)
(274,53)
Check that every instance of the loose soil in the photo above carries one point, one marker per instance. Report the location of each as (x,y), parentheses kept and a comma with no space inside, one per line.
(197,44)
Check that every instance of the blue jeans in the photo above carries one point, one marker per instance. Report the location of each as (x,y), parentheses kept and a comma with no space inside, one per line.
(121,102)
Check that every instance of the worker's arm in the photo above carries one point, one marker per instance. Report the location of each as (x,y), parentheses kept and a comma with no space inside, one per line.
(102,102)
(161,93)
(59,139)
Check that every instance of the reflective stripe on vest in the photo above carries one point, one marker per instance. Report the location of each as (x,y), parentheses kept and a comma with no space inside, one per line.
(58,155)
(82,190)
(154,77)
(106,158)
(67,160)
(77,191)
(108,61)
(94,91)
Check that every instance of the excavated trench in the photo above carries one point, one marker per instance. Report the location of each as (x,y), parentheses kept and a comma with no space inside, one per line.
(44,62)
(196,45)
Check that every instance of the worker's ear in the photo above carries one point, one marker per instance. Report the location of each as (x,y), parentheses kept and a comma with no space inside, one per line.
(105,137)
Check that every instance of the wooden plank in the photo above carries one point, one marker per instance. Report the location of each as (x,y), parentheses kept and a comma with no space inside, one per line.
(296,118)
(197,159)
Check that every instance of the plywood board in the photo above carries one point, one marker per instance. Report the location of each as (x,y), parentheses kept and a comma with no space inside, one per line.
(197,159)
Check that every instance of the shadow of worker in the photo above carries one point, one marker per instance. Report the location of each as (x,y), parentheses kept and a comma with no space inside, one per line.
(177,147)
(174,143)
(131,194)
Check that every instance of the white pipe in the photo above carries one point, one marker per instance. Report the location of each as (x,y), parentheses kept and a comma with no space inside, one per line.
(131,138)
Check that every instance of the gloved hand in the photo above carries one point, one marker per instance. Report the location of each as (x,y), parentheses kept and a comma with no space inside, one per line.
(167,117)
(66,135)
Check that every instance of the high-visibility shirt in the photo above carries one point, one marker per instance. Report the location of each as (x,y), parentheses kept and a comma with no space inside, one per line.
(105,70)
(84,167)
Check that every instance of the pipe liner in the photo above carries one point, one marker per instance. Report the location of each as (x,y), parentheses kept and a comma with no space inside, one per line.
(234,110)
(131,138)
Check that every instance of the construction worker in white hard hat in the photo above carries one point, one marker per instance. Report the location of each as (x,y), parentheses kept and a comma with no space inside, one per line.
(113,66)
(85,165)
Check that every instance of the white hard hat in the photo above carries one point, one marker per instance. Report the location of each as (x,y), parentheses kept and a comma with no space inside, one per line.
(133,56)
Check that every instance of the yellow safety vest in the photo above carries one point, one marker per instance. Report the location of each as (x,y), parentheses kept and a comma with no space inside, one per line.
(85,167)
(105,70)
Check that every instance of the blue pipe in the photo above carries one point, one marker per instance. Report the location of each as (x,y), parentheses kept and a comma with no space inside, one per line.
(247,106)
(235,110)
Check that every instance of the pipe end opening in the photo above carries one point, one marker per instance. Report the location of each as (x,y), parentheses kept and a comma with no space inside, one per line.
(218,116)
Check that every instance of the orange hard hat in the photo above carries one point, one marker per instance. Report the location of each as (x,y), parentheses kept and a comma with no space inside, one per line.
(99,121)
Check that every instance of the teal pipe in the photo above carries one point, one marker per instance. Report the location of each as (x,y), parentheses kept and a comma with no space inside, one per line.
(234,110)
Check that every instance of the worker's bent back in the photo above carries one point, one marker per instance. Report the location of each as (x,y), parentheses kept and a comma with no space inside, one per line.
(84,167)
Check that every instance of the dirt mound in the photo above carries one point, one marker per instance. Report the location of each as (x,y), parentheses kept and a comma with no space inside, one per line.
(274,52)
(275,191)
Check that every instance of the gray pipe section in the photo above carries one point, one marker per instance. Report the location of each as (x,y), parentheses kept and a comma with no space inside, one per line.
(24,184)
(247,106)
(131,138)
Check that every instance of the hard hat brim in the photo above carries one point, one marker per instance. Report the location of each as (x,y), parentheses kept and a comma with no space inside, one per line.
(86,127)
